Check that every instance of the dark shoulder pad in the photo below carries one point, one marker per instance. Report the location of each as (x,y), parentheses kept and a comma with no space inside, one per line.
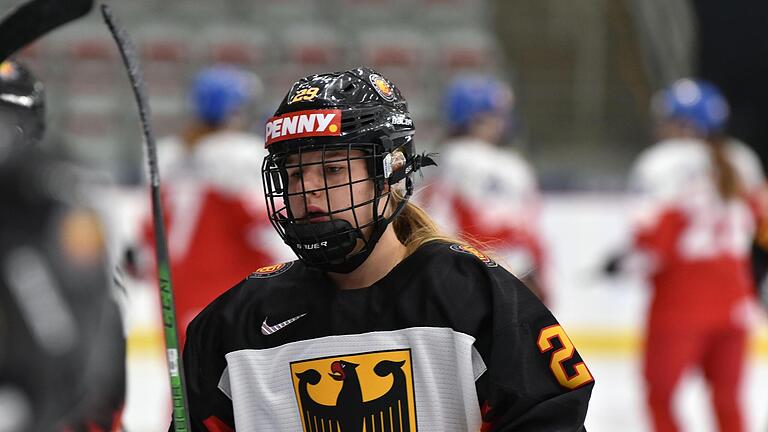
(456,253)
(254,287)
(471,259)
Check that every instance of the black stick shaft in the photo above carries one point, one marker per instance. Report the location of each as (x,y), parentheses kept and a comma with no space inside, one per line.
(175,365)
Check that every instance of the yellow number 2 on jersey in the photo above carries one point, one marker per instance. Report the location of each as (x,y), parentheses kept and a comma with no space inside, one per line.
(559,356)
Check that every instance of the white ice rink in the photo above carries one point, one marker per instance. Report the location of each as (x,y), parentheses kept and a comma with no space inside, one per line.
(604,319)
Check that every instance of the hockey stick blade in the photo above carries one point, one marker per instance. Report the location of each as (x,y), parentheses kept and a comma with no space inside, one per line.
(175,365)
(26,23)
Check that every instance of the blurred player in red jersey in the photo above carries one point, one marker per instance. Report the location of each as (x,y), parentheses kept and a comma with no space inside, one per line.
(494,200)
(698,198)
(217,225)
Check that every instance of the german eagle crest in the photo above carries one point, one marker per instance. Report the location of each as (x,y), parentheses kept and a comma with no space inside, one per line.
(370,392)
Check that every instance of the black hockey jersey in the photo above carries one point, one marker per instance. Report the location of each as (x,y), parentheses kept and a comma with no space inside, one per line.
(62,346)
(447,341)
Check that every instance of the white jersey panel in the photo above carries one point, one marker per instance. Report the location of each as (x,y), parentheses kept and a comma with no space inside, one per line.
(440,364)
(680,173)
(228,160)
(676,173)
(498,182)
(673,170)
(232,161)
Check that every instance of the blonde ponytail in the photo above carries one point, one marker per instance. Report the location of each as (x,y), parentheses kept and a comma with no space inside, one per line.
(727,180)
(414,227)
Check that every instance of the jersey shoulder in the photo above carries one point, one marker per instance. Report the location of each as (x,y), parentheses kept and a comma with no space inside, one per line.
(459,262)
(465,254)
(488,161)
(670,154)
(271,280)
(277,280)
(668,169)
(466,272)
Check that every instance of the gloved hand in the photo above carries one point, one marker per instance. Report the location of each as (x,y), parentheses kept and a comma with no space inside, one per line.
(613,264)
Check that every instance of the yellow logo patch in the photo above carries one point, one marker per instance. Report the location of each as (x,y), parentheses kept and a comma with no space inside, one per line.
(8,70)
(467,249)
(270,270)
(382,87)
(358,392)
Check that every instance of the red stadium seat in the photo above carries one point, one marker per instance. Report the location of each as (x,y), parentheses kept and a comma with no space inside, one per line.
(466,50)
(167,54)
(238,45)
(312,45)
(452,12)
(84,58)
(393,48)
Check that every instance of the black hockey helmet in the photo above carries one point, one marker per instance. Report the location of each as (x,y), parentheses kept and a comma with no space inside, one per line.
(340,112)
(22,105)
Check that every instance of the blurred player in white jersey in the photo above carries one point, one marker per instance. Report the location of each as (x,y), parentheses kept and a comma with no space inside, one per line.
(494,200)
(217,225)
(699,195)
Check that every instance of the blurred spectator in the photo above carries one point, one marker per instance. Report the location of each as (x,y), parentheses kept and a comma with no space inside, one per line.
(62,348)
(494,200)
(699,195)
(218,231)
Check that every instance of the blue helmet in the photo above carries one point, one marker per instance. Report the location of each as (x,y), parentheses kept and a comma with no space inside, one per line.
(696,102)
(471,95)
(217,92)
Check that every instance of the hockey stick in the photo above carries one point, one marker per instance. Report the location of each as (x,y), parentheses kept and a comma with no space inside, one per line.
(24,24)
(175,366)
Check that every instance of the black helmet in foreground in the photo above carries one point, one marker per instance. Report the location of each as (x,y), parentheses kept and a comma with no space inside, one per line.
(22,105)
(324,123)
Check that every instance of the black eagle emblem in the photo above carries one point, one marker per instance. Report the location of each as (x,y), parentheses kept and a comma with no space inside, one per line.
(389,412)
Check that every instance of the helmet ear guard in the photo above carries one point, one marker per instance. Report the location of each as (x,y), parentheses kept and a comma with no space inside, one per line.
(404,167)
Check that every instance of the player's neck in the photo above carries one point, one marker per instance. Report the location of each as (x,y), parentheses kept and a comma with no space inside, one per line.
(385,256)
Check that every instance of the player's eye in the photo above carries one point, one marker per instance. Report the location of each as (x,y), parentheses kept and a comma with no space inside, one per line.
(295,173)
(334,169)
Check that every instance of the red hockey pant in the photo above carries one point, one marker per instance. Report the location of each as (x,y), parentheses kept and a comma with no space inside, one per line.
(719,353)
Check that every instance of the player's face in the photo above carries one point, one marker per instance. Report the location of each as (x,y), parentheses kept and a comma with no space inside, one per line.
(335,185)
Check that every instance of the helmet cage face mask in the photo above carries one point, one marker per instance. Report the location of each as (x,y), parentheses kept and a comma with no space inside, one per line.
(323,239)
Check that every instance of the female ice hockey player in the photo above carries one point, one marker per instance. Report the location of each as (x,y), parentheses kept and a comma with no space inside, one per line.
(700,195)
(382,324)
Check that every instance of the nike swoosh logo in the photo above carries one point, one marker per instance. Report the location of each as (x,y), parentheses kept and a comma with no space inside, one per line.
(267,329)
